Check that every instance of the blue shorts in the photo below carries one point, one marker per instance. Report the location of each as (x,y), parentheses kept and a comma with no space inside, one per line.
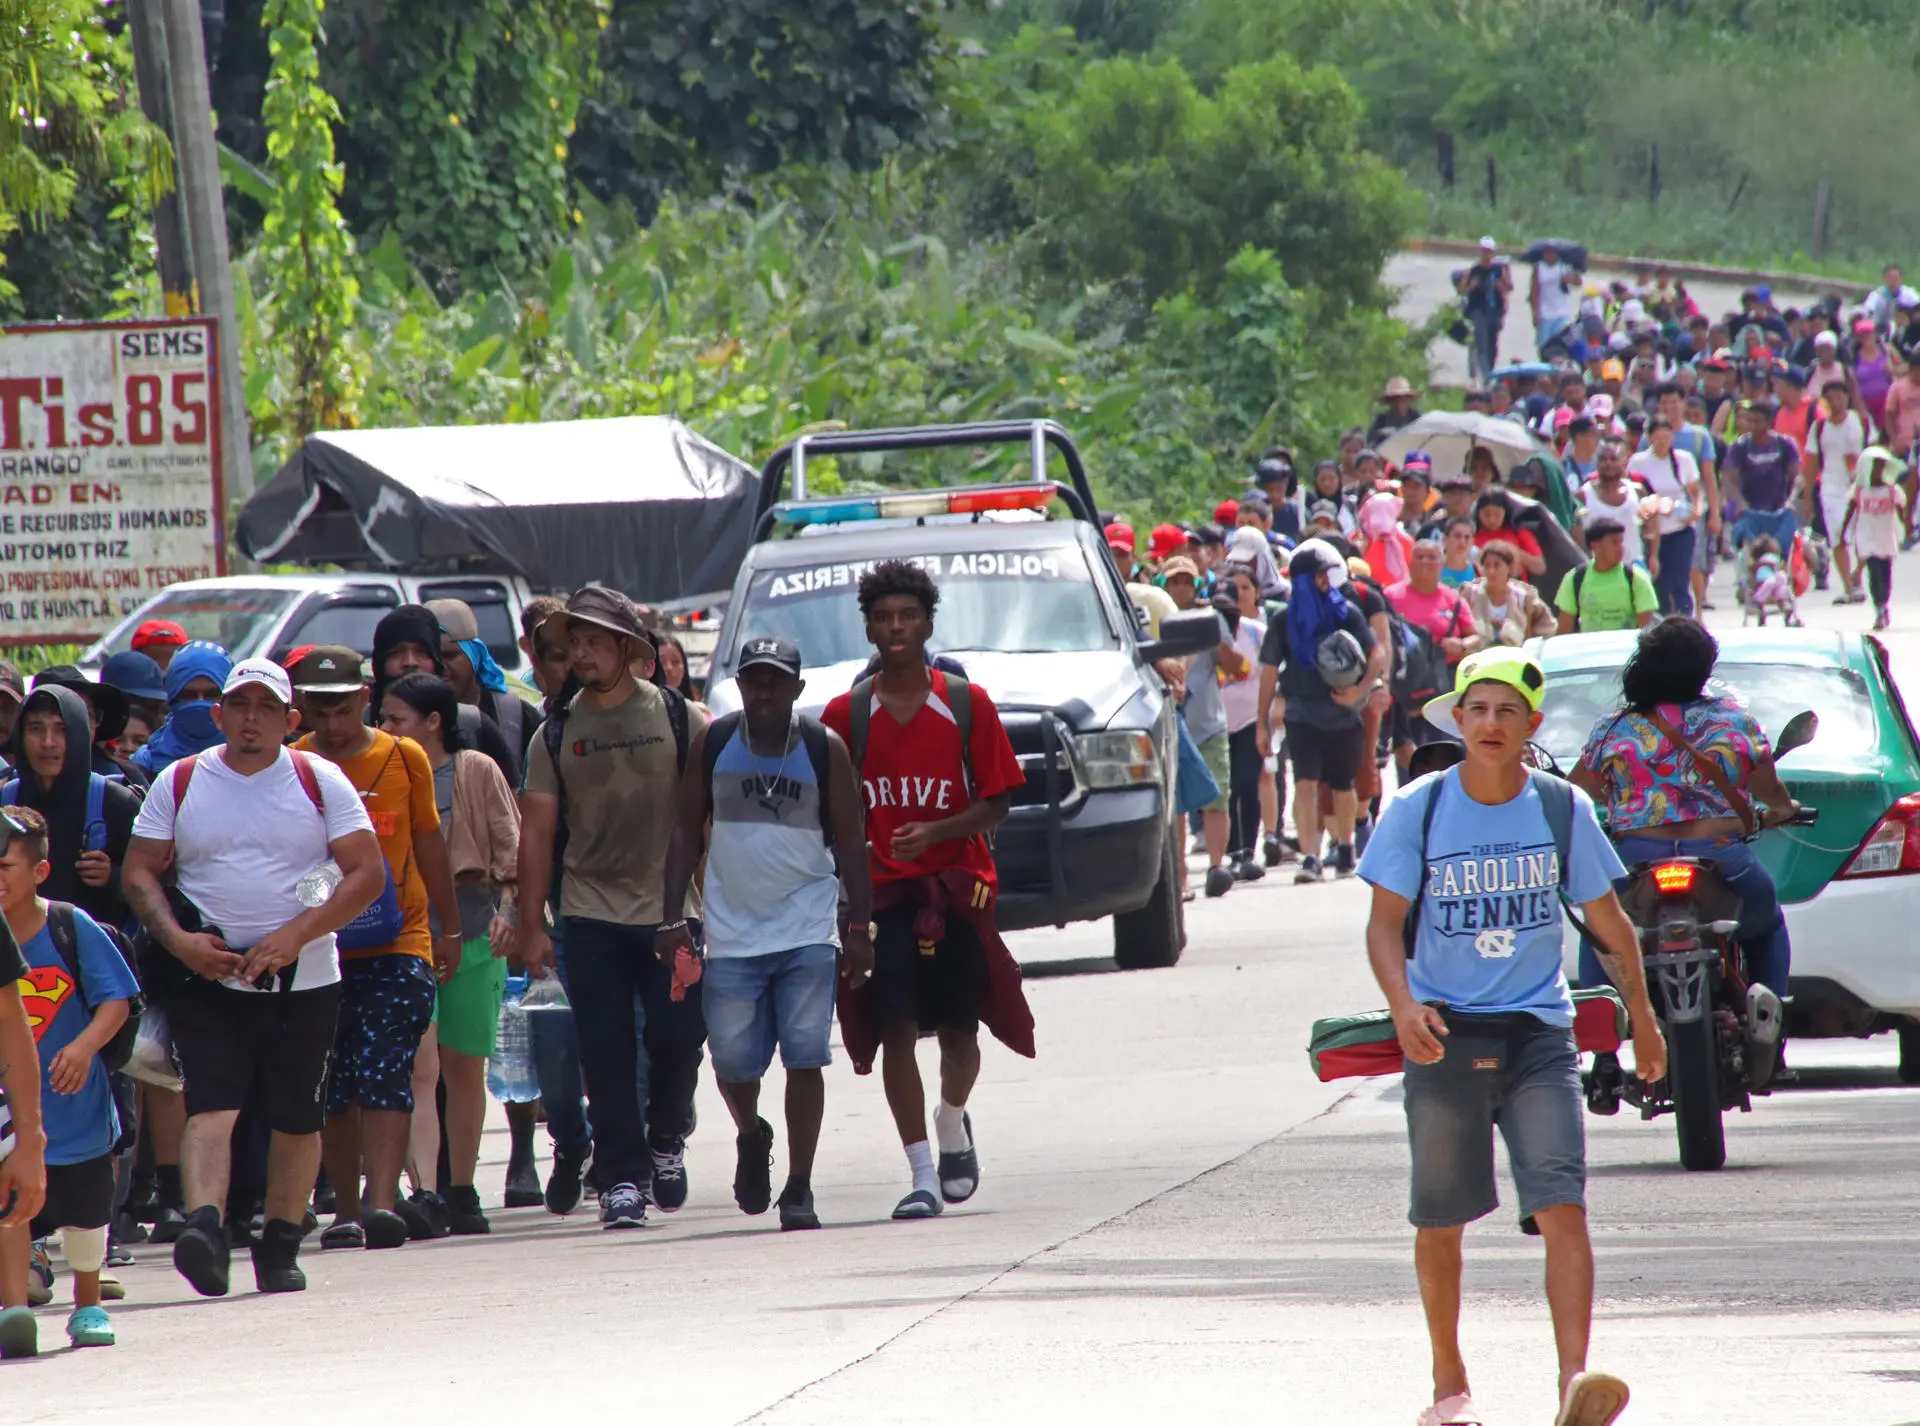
(754,1003)
(386,1005)
(1513,1072)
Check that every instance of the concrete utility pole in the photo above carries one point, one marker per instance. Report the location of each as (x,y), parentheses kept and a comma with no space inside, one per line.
(181,61)
(149,35)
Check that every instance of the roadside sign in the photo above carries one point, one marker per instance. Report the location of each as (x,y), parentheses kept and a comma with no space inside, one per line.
(110,489)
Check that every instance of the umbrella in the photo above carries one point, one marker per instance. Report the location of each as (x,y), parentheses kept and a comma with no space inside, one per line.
(1522,369)
(1448,436)
(1572,254)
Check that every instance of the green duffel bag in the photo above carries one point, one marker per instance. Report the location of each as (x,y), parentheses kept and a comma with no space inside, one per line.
(1343,1046)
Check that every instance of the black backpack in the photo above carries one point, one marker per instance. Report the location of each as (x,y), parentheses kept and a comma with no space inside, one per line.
(813,736)
(65,936)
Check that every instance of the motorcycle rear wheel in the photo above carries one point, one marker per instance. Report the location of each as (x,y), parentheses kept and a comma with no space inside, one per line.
(1693,1080)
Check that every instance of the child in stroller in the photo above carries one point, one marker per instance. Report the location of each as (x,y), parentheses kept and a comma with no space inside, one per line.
(1764,583)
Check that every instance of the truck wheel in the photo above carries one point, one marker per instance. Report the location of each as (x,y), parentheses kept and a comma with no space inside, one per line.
(1910,1053)
(1154,935)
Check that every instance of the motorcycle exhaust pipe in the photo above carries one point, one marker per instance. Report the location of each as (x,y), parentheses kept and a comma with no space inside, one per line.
(1766,1019)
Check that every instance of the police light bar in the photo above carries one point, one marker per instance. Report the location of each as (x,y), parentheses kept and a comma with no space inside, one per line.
(914,504)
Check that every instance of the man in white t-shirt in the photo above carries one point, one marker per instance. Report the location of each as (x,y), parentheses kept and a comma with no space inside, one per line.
(1611,496)
(243,827)
(1667,471)
(1555,294)
(1833,445)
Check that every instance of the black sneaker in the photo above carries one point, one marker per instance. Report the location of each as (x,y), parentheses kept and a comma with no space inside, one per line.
(168,1223)
(623,1207)
(1273,851)
(960,1172)
(1247,869)
(276,1266)
(201,1254)
(1219,880)
(1604,1083)
(1309,871)
(523,1186)
(565,1183)
(464,1218)
(796,1208)
(753,1169)
(1343,861)
(669,1173)
(425,1214)
(127,1228)
(385,1229)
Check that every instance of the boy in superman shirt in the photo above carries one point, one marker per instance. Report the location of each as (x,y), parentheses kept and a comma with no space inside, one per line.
(71,1022)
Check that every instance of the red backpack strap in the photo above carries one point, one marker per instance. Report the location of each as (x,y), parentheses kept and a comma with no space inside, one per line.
(182,775)
(309,780)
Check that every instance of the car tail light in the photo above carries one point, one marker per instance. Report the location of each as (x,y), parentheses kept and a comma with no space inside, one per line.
(1893,846)
(1674,878)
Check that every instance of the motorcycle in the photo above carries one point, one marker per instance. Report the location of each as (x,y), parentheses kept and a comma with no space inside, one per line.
(1722,1032)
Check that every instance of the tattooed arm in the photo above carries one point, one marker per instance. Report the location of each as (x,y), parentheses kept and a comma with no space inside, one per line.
(1617,945)
(203,954)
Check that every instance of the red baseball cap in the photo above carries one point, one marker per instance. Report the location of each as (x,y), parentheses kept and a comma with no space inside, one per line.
(1120,537)
(1226,512)
(158,631)
(1165,540)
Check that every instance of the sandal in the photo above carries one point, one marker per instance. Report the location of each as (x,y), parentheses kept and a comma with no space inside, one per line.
(1455,1410)
(347,1234)
(1593,1399)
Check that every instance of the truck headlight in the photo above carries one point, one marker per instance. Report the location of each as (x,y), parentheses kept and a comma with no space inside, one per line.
(1117,759)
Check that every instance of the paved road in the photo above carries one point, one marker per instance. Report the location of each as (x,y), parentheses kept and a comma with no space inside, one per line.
(1177,1222)
(1425,284)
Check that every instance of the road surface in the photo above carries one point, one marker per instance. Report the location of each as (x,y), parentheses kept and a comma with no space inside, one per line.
(1424,282)
(1177,1222)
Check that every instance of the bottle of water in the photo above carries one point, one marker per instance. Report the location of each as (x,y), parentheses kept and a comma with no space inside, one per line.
(510,1073)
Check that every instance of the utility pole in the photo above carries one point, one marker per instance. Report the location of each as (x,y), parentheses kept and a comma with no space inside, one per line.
(148,31)
(197,168)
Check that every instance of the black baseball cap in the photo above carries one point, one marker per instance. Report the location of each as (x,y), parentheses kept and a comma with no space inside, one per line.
(328,669)
(775,653)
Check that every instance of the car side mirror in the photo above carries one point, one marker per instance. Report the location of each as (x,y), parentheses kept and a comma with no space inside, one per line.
(1193,631)
(1797,734)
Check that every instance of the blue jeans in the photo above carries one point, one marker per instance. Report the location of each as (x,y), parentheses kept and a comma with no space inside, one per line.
(1486,342)
(1779,523)
(1675,584)
(1763,926)
(556,1064)
(755,1004)
(609,968)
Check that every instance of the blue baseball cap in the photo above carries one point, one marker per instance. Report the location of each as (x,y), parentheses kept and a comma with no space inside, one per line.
(135,675)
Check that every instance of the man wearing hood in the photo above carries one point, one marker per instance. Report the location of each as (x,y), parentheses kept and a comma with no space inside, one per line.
(107,712)
(87,828)
(477,680)
(195,677)
(408,640)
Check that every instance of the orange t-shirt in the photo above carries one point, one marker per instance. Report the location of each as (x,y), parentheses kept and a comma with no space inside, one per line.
(395,783)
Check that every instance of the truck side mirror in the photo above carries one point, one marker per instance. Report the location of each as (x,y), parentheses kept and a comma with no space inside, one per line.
(1193,631)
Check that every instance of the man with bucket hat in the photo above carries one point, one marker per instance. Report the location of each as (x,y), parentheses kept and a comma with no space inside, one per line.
(603,775)
(1397,398)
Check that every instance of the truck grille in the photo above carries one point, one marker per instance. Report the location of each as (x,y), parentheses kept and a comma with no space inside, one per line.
(1025,732)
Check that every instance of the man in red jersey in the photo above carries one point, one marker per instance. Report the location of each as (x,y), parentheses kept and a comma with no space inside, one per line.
(938,775)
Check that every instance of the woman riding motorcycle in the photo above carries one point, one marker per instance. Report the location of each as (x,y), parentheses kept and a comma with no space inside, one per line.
(1678,773)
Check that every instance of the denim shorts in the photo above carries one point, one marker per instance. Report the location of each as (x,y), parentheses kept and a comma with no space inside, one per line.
(754,1003)
(1514,1072)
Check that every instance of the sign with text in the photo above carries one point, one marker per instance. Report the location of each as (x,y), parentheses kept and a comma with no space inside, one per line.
(109,472)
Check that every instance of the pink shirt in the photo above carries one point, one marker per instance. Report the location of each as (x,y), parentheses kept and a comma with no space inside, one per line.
(1439,613)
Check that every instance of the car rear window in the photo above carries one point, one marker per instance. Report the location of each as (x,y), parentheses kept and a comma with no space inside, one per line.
(1772,693)
(1002,601)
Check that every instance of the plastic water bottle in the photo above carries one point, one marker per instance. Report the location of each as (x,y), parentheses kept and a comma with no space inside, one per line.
(510,1073)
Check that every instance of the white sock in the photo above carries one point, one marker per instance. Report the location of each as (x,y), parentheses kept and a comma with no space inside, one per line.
(950,1128)
(920,1160)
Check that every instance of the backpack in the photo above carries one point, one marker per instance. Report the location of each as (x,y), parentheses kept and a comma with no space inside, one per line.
(65,936)
(813,736)
(1556,801)
(860,718)
(93,837)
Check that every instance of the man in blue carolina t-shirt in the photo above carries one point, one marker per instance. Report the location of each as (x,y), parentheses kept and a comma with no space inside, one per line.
(72,1019)
(1484,1015)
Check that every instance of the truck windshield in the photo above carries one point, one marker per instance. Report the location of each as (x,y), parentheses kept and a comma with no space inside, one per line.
(237,619)
(998,601)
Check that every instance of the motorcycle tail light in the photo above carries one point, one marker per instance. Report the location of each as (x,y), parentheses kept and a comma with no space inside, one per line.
(1892,848)
(1674,878)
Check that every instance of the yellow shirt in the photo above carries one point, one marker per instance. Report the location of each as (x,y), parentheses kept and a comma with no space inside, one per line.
(395,783)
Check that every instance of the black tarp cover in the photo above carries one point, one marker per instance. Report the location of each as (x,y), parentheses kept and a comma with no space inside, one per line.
(637,502)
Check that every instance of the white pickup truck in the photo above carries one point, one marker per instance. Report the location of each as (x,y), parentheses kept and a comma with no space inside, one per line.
(268,615)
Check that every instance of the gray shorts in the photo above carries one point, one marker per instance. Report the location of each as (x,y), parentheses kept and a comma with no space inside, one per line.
(1514,1072)
(1706,550)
